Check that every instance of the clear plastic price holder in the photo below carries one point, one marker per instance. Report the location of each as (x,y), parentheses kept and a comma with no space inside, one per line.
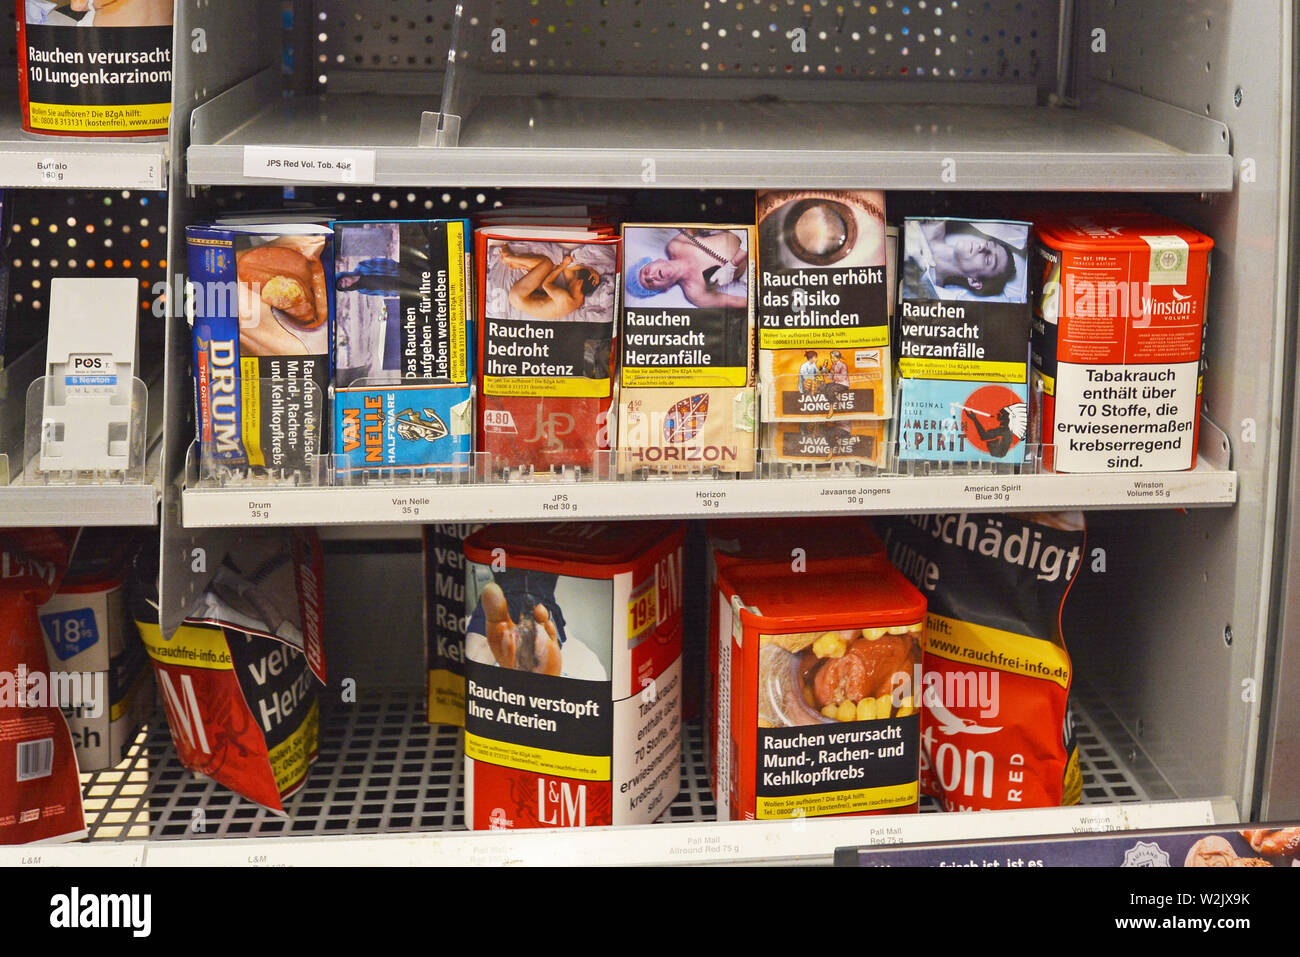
(1024,455)
(1032,463)
(596,465)
(462,468)
(88,432)
(269,434)
(825,386)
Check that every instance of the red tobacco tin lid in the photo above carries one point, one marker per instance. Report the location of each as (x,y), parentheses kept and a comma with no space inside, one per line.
(568,546)
(1114,230)
(777,600)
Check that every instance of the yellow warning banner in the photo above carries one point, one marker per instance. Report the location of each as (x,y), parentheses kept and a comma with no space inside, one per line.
(456,299)
(583,767)
(291,758)
(837,802)
(972,644)
(860,337)
(100,119)
(683,377)
(192,647)
(578,386)
(959,370)
(446,698)
(250,406)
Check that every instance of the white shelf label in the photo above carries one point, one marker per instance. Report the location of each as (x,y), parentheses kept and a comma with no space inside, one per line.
(105,854)
(127,168)
(308,165)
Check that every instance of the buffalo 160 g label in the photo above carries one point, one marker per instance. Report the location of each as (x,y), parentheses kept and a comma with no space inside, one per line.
(822,308)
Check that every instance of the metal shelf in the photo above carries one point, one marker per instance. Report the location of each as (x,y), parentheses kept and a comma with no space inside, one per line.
(28,160)
(629,141)
(250,505)
(80,505)
(387,790)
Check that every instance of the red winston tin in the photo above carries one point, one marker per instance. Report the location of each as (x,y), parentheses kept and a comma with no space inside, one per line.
(573,673)
(1117,341)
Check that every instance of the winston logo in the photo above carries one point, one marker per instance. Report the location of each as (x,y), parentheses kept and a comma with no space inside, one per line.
(124,911)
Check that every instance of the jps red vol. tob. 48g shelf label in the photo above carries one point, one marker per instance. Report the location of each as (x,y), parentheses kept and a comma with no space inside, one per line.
(573,673)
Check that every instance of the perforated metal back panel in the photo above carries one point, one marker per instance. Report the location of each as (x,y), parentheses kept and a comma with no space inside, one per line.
(82,233)
(845,39)
(1182,62)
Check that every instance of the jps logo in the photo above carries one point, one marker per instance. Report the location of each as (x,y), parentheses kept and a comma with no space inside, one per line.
(560,804)
(550,428)
(90,363)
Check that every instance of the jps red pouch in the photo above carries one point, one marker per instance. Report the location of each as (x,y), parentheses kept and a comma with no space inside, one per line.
(238,678)
(40,793)
(546,340)
(995,731)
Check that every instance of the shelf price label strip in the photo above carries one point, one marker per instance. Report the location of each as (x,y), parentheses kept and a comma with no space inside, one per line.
(677,843)
(694,498)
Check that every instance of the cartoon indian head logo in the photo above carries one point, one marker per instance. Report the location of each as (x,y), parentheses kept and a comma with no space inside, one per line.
(994,419)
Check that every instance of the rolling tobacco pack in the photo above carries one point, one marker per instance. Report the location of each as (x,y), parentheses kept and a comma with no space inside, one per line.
(238,678)
(823,324)
(995,727)
(403,396)
(963,343)
(261,316)
(686,379)
(40,794)
(546,343)
(823,713)
(573,674)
